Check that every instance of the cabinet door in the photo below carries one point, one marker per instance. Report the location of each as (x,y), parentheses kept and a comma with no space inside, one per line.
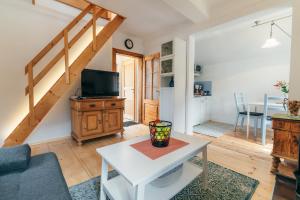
(281,145)
(112,120)
(294,145)
(92,123)
(151,88)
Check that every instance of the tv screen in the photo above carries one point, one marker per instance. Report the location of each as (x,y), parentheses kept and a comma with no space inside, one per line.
(96,83)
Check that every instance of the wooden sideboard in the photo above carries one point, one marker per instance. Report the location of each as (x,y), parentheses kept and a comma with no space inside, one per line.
(93,118)
(286,133)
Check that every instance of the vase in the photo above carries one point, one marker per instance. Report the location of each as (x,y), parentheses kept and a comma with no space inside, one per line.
(171,83)
(294,107)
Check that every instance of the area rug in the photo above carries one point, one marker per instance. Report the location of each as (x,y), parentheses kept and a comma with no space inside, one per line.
(223,184)
(213,129)
(129,123)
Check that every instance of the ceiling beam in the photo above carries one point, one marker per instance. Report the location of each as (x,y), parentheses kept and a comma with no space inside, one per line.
(193,10)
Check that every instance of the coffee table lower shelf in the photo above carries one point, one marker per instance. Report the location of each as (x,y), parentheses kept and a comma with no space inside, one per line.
(118,188)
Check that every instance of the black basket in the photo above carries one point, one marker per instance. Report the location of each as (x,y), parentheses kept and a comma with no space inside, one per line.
(160,132)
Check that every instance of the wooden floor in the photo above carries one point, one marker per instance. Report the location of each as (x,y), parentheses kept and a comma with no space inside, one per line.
(232,150)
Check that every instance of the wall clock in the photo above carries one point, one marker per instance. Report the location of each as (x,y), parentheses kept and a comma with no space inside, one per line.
(128,44)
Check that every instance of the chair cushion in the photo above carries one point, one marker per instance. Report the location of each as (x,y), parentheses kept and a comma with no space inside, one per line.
(14,158)
(252,113)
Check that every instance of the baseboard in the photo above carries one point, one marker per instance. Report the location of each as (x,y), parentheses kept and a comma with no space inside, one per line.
(51,140)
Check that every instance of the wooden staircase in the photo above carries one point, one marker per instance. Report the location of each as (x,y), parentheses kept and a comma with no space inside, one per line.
(72,70)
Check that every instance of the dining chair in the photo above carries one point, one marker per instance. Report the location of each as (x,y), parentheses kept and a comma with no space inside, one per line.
(271,103)
(241,108)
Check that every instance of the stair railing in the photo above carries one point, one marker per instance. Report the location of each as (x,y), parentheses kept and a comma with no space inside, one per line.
(64,34)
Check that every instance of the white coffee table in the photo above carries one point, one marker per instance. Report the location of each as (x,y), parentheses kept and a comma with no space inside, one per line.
(137,171)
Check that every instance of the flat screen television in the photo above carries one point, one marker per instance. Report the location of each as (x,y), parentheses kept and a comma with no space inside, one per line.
(96,83)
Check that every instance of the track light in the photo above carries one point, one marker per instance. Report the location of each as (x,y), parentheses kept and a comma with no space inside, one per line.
(271,42)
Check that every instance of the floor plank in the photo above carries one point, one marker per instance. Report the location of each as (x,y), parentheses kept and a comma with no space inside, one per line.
(232,150)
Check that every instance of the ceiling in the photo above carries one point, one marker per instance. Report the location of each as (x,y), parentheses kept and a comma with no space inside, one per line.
(241,41)
(150,17)
(144,17)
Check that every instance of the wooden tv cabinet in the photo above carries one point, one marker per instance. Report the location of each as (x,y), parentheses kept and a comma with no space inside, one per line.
(93,118)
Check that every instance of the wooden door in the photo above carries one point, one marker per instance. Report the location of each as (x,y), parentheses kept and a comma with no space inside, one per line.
(112,120)
(128,84)
(92,123)
(151,88)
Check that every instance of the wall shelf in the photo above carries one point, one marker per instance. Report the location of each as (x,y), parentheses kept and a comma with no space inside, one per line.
(166,74)
(171,56)
(172,99)
(197,74)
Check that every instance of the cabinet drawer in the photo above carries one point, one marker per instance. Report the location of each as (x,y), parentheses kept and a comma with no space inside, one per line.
(113,104)
(281,125)
(90,106)
(295,127)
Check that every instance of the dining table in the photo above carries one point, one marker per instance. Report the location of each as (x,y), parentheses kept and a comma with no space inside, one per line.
(257,105)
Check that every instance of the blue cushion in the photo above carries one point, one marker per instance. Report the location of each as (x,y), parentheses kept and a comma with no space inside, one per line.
(14,158)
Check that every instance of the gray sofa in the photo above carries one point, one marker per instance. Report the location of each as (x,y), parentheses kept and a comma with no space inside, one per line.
(39,178)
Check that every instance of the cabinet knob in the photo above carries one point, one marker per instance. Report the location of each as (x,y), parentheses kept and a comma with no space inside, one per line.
(92,105)
(113,104)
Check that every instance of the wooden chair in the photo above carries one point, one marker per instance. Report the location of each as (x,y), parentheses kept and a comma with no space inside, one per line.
(241,108)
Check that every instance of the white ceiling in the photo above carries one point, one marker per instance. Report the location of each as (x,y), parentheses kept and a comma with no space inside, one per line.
(146,17)
(240,41)
(150,18)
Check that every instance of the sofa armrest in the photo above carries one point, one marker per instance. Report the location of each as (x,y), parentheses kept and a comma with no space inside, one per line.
(14,158)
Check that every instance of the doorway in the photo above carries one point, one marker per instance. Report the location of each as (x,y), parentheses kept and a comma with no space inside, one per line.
(129,66)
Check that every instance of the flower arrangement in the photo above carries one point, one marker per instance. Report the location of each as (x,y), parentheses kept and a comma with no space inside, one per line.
(282,86)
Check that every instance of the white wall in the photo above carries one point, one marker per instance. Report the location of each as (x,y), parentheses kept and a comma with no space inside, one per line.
(255,77)
(190,85)
(26,29)
(235,62)
(153,46)
(119,39)
(295,58)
